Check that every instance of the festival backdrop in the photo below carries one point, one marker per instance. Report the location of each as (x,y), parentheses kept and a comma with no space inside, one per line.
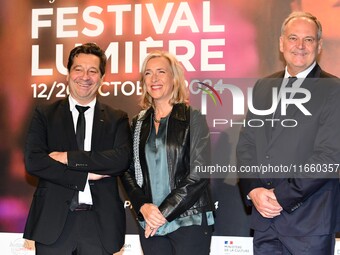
(222,43)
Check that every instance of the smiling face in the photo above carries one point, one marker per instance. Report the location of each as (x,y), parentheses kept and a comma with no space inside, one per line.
(84,78)
(159,80)
(299,44)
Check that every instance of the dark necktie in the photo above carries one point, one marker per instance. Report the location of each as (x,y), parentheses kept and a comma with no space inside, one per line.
(80,135)
(277,114)
(80,132)
(291,80)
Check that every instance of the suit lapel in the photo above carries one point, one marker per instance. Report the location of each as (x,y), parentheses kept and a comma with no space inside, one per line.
(67,124)
(98,125)
(309,83)
(268,103)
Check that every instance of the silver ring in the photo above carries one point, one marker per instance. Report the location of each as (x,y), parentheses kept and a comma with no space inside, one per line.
(151,228)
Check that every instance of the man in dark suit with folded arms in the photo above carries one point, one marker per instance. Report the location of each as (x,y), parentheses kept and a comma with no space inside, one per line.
(296,212)
(76,208)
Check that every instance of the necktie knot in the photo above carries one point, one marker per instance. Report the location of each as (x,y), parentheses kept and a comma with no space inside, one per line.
(291,80)
(82,109)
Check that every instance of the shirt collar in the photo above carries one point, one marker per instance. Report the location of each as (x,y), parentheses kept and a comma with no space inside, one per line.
(74,102)
(302,74)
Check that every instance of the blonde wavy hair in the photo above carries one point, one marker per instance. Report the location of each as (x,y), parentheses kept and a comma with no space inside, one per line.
(179,92)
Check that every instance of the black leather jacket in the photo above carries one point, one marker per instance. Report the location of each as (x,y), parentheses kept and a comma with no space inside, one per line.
(188,145)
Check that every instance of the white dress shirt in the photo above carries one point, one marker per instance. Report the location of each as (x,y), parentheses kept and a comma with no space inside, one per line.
(301,77)
(85,196)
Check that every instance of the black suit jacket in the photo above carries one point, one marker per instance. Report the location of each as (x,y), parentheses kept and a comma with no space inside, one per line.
(52,129)
(310,204)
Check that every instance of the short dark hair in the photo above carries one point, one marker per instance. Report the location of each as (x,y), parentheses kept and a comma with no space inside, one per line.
(88,48)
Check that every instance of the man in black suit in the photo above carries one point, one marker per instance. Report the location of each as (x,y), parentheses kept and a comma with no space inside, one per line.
(294,212)
(76,208)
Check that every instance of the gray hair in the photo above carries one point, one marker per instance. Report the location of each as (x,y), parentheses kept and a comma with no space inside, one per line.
(305,15)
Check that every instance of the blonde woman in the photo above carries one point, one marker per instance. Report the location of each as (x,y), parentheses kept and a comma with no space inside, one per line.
(172,202)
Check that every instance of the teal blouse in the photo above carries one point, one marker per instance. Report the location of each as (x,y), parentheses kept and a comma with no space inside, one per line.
(156,158)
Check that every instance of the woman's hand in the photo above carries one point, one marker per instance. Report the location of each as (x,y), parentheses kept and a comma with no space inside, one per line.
(149,231)
(153,218)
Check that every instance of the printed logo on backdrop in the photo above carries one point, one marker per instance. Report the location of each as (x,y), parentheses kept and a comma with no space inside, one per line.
(127,247)
(18,247)
(132,246)
(157,26)
(127,204)
(232,247)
